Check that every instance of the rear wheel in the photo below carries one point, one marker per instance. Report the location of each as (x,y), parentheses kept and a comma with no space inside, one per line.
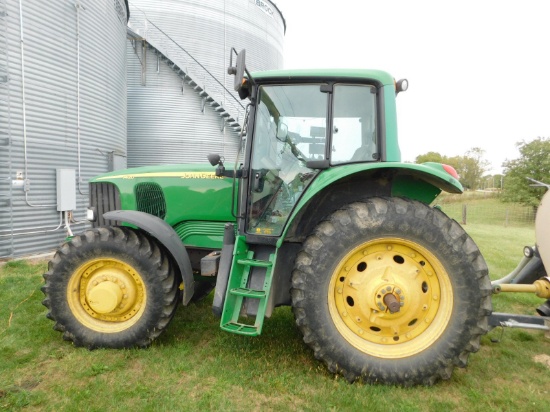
(391,291)
(111,288)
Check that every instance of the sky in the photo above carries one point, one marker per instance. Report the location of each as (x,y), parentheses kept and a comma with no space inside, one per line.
(478,71)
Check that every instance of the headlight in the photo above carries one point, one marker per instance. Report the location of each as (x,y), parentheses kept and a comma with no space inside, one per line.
(91,214)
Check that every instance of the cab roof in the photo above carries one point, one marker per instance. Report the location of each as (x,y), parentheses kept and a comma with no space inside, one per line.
(377,76)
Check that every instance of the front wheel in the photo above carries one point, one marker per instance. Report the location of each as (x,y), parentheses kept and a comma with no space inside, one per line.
(391,291)
(111,287)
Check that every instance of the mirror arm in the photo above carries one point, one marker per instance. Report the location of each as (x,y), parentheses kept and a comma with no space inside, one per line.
(222,172)
(250,78)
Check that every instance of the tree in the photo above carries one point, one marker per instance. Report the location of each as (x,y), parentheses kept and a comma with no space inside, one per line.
(534,162)
(469,167)
(493,181)
(429,157)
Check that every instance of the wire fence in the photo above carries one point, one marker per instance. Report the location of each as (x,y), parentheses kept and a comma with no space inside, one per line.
(486,208)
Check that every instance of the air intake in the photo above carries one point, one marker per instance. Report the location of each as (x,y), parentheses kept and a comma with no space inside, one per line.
(150,199)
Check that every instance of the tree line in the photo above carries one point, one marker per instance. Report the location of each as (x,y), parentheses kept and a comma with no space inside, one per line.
(533,162)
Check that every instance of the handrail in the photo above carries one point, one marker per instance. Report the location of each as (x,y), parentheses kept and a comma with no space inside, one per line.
(211,85)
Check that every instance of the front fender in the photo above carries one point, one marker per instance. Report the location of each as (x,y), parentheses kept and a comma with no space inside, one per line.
(167,236)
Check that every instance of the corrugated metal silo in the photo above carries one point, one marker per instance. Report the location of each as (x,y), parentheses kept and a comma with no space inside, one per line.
(181,103)
(63,106)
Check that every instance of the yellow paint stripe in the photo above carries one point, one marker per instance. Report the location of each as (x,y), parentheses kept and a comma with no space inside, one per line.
(181,175)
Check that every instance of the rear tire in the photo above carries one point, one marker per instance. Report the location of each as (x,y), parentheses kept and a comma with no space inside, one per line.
(438,282)
(111,287)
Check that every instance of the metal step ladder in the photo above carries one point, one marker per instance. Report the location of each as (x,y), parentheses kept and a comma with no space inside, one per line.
(238,291)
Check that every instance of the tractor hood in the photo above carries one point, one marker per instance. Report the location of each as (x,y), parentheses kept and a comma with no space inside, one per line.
(175,193)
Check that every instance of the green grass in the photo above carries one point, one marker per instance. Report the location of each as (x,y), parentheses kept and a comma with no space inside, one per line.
(195,366)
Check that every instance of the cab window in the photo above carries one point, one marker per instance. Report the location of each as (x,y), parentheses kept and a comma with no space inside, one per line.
(354,135)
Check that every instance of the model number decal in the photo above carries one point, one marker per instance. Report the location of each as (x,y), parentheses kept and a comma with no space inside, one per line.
(200,175)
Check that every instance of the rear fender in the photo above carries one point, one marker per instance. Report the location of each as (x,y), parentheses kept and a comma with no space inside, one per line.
(333,188)
(167,236)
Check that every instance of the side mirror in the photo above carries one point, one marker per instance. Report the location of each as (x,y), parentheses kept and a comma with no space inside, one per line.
(282,131)
(238,70)
(215,159)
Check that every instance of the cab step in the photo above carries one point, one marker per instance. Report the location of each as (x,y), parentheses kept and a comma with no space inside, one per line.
(243,265)
(241,329)
(255,263)
(248,293)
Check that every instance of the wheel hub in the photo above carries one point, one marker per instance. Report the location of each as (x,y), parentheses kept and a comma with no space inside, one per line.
(105,297)
(386,295)
(107,290)
(392,302)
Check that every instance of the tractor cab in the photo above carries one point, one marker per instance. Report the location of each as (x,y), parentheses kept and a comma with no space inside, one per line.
(300,123)
(290,146)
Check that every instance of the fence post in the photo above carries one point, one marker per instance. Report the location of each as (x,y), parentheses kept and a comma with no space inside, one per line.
(464,213)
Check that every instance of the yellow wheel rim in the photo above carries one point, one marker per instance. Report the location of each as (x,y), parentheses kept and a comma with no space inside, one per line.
(384,276)
(106,295)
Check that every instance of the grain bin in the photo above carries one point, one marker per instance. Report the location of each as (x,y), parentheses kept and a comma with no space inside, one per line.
(181,103)
(62,107)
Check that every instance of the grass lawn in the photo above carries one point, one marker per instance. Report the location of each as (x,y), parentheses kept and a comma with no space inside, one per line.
(196,366)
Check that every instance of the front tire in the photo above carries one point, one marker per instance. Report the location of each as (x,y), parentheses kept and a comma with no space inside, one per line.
(111,287)
(391,291)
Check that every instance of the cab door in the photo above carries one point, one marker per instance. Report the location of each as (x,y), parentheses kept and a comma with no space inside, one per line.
(289,131)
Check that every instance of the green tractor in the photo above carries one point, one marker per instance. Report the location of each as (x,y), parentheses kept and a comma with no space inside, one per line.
(318,212)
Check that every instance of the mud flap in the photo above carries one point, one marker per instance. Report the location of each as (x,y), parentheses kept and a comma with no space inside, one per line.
(224,269)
